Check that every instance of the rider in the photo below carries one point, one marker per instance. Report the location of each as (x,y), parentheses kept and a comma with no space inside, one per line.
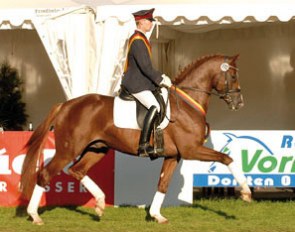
(140,78)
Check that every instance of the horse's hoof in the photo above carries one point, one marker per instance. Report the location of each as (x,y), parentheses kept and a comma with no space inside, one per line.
(160,219)
(246,196)
(38,223)
(37,220)
(100,206)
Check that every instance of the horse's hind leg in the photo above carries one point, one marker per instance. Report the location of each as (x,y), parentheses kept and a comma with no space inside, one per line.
(79,171)
(45,174)
(206,154)
(32,208)
(167,171)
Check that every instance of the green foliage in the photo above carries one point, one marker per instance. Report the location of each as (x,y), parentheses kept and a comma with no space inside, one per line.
(12,109)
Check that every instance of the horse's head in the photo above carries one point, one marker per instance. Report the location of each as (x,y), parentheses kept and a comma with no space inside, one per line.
(209,73)
(226,82)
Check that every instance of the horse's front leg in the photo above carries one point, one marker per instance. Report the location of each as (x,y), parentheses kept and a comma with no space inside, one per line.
(167,171)
(206,154)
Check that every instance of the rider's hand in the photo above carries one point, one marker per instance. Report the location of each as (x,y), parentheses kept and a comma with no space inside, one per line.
(166,82)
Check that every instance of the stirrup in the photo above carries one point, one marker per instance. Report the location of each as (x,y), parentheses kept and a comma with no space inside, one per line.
(146,150)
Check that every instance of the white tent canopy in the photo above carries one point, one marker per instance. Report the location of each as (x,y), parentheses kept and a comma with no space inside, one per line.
(86,40)
(182,13)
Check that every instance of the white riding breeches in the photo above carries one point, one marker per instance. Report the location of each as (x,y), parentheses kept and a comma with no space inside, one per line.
(147,98)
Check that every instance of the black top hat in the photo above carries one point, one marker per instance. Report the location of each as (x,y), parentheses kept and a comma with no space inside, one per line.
(144,14)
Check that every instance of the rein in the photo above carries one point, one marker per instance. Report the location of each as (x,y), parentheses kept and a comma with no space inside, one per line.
(220,95)
(199,90)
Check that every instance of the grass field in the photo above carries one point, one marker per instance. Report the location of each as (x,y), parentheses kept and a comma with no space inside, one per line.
(204,215)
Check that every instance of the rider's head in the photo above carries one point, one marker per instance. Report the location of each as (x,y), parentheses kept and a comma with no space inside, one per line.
(144,19)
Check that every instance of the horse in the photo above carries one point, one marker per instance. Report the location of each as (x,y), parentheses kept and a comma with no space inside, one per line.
(85,125)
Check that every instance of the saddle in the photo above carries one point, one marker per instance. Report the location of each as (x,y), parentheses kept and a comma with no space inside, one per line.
(141,110)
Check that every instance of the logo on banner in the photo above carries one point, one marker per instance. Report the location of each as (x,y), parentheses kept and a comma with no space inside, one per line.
(264,162)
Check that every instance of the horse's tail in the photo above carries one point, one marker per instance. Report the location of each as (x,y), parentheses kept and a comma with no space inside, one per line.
(34,149)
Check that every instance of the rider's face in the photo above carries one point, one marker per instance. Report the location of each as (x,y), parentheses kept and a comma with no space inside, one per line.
(145,25)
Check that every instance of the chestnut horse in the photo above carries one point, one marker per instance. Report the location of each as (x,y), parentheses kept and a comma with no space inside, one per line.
(85,125)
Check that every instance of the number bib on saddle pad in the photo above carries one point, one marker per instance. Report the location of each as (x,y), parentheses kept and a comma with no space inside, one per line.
(125,113)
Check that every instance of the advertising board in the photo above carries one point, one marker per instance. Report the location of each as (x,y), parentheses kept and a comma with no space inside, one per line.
(63,189)
(267,158)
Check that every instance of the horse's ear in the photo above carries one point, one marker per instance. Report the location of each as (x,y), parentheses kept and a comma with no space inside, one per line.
(236,57)
(233,59)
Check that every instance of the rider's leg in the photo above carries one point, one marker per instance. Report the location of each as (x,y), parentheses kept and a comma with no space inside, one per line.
(149,101)
(145,148)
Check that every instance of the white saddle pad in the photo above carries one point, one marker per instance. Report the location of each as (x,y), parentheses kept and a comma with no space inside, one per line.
(125,113)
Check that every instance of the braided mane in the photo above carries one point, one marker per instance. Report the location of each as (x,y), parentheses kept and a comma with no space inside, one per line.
(192,66)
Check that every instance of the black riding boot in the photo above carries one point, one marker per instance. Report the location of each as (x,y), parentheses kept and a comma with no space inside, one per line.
(145,149)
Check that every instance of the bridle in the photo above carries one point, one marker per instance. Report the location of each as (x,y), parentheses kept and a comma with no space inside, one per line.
(226,94)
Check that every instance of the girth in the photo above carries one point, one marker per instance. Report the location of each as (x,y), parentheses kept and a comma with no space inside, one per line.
(141,110)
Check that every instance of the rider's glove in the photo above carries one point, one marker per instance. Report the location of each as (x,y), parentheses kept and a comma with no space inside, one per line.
(166,82)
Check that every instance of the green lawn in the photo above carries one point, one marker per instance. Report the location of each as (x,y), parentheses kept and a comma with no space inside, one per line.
(204,215)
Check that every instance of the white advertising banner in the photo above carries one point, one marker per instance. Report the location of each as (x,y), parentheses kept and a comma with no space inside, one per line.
(266,157)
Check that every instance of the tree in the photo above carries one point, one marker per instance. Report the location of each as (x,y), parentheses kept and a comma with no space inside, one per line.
(12,109)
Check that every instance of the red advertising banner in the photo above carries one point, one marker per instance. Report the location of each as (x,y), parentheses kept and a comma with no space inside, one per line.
(63,189)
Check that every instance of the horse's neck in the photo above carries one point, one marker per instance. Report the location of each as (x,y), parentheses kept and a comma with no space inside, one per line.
(201,82)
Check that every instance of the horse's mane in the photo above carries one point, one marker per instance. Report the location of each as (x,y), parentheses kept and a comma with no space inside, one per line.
(190,67)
